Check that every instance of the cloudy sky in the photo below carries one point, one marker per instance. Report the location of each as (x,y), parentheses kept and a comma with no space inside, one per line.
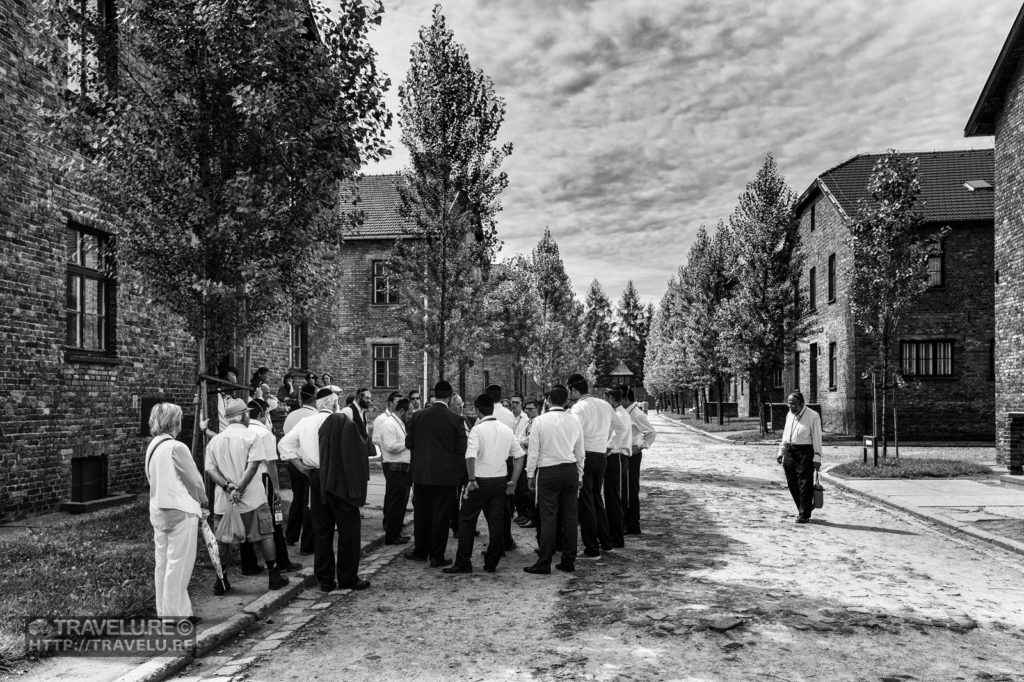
(636,121)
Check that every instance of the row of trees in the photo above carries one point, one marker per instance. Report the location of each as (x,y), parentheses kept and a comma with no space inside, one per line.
(735,307)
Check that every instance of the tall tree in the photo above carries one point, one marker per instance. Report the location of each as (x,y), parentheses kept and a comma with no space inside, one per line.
(706,287)
(558,348)
(665,362)
(513,309)
(217,134)
(890,262)
(450,117)
(763,318)
(632,325)
(597,334)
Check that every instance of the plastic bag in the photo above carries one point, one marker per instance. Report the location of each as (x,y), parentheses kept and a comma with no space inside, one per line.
(230,529)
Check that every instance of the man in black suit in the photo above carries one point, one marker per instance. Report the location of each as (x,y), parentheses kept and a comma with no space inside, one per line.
(436,439)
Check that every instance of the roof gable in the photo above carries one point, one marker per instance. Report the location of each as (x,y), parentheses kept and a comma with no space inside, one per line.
(990,102)
(942,175)
(376,199)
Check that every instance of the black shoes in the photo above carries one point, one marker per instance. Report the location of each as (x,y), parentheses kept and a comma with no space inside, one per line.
(455,568)
(803,519)
(359,584)
(632,531)
(221,586)
(538,569)
(440,563)
(411,555)
(565,567)
(277,581)
(590,554)
(292,566)
(490,569)
(400,540)
(329,587)
(252,571)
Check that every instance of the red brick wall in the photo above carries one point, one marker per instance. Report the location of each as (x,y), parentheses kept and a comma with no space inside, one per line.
(957,407)
(1009,262)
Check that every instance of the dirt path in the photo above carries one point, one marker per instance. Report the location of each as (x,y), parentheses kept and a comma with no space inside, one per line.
(721,586)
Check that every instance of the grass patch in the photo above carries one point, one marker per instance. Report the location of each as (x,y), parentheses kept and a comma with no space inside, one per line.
(923,467)
(98,565)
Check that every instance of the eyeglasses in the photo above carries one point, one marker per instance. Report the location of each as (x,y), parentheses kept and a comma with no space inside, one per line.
(516,402)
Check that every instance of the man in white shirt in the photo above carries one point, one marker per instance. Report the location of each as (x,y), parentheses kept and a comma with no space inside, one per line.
(643,437)
(554,469)
(233,459)
(300,525)
(356,410)
(506,417)
(600,424)
(490,445)
(501,413)
(615,477)
(268,476)
(390,435)
(800,454)
(523,499)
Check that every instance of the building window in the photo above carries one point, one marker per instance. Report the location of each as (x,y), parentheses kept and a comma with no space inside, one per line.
(812,286)
(777,378)
(90,324)
(832,278)
(796,370)
(927,358)
(937,268)
(385,289)
(813,372)
(992,359)
(385,366)
(299,345)
(92,47)
(832,366)
(814,215)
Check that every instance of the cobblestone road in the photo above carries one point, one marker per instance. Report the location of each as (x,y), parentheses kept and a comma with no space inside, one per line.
(721,586)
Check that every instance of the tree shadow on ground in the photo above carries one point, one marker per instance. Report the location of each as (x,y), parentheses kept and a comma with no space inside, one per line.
(852,526)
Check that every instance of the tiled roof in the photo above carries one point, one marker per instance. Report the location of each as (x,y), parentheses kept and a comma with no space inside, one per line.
(941,174)
(376,198)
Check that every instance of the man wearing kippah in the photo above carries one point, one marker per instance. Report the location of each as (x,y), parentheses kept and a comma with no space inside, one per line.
(300,524)
(491,444)
(436,439)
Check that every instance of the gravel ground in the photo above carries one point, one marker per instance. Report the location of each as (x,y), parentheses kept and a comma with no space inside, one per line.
(722,585)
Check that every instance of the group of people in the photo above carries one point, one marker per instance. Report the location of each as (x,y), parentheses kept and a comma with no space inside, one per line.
(570,461)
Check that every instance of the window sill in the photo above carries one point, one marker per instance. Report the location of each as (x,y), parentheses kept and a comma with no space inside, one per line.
(932,377)
(831,301)
(832,389)
(383,305)
(91,356)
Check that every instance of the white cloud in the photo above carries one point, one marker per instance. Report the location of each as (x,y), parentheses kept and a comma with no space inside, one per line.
(636,121)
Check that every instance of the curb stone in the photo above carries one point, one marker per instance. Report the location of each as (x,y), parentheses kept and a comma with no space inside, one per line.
(161,668)
(965,529)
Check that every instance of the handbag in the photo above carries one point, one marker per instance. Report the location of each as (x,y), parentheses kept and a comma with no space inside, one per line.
(819,493)
(230,528)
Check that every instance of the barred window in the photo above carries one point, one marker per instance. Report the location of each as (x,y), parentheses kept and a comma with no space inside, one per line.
(385,366)
(927,358)
(299,353)
(92,47)
(937,269)
(832,366)
(832,278)
(385,289)
(89,290)
(812,289)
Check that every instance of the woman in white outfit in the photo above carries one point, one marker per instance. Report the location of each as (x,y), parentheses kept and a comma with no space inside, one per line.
(176,499)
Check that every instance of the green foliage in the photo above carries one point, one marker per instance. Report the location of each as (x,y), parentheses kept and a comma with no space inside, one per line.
(450,117)
(632,326)
(558,348)
(597,334)
(220,147)
(906,467)
(763,318)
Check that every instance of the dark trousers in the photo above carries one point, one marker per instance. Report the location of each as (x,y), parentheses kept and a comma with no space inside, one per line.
(799,467)
(508,542)
(614,484)
(247,553)
(330,513)
(300,524)
(632,512)
(396,499)
(433,507)
(489,498)
(557,492)
(525,506)
(592,515)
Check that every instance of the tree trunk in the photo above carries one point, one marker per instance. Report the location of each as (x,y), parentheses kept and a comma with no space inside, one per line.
(762,422)
(704,395)
(883,422)
(721,419)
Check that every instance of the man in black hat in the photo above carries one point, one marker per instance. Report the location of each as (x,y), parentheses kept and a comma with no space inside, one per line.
(436,439)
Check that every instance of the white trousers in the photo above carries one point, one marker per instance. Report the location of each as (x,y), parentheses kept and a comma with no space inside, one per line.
(175,534)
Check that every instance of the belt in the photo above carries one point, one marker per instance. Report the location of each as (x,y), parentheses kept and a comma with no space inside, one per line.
(397,466)
(595,452)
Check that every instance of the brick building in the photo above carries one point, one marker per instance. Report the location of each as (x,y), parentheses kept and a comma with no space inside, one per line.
(364,341)
(945,345)
(1000,112)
